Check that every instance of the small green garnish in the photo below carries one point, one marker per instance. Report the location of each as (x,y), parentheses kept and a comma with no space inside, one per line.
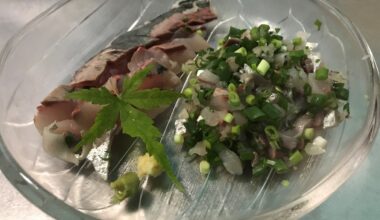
(263,67)
(318,24)
(285,183)
(297,41)
(188,92)
(250,99)
(308,133)
(241,51)
(322,73)
(255,34)
(277,43)
(280,166)
(204,167)
(228,118)
(233,99)
(231,87)
(235,129)
(271,132)
(134,122)
(295,158)
(125,186)
(253,113)
(178,139)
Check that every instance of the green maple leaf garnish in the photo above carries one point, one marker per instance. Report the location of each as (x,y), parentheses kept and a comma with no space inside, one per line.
(134,122)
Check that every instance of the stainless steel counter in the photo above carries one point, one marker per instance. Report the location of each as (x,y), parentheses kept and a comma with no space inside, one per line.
(356,199)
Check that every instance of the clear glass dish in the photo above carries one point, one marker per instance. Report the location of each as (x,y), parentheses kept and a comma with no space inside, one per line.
(49,50)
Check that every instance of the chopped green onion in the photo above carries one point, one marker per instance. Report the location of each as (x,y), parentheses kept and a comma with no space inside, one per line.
(235,32)
(204,167)
(228,118)
(285,183)
(250,99)
(255,35)
(271,132)
(188,92)
(271,111)
(318,100)
(223,71)
(322,73)
(295,158)
(307,89)
(259,168)
(274,144)
(271,162)
(342,93)
(235,129)
(280,166)
(308,133)
(178,139)
(277,30)
(297,41)
(254,66)
(263,67)
(253,113)
(245,153)
(262,42)
(241,51)
(297,54)
(233,99)
(264,30)
(318,24)
(207,144)
(277,43)
(231,87)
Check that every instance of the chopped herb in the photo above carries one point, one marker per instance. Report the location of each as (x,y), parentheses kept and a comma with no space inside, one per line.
(260,168)
(309,133)
(188,92)
(322,73)
(233,99)
(318,24)
(295,158)
(285,183)
(264,91)
(297,54)
(277,43)
(253,113)
(250,99)
(297,41)
(228,118)
(263,67)
(204,167)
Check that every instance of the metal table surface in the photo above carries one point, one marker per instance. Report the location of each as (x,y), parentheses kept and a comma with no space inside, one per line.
(357,199)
